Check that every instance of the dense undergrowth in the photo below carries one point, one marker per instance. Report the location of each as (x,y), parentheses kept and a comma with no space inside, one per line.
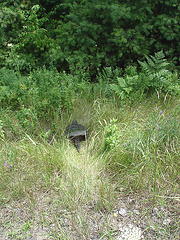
(134,132)
(129,116)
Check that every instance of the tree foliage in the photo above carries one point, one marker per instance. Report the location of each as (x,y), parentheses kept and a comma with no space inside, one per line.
(94,34)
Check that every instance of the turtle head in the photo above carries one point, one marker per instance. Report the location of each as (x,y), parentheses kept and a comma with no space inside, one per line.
(76,141)
(74,122)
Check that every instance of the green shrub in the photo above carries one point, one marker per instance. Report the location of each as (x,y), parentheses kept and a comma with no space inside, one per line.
(13,90)
(50,91)
(27,118)
(129,85)
(105,78)
(43,92)
(155,74)
(153,77)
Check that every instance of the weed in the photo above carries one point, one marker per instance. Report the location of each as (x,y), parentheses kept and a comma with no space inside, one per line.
(111,135)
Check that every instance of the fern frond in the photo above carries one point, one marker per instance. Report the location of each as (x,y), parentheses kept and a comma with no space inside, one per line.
(159,55)
(155,69)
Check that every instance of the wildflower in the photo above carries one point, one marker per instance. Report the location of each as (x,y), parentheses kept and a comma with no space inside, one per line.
(155,108)
(156,154)
(160,112)
(137,109)
(168,115)
(9,44)
(5,164)
(147,129)
(124,144)
(10,165)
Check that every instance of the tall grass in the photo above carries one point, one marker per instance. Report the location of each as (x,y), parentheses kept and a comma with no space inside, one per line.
(131,147)
(145,148)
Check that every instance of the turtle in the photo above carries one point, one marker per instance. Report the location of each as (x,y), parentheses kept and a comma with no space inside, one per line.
(76,133)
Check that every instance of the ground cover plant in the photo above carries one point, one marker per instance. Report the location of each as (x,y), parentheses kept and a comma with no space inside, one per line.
(124,183)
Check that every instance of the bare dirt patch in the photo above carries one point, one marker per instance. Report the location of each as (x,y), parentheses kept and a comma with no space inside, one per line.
(132,217)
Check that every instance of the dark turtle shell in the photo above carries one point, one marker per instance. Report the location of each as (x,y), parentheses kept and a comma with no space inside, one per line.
(76,132)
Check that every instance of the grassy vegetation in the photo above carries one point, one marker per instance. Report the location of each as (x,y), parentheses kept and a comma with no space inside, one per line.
(124,183)
(49,189)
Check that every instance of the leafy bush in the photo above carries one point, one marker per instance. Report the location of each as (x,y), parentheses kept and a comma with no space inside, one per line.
(44,91)
(27,118)
(126,84)
(13,91)
(88,33)
(26,42)
(50,91)
(154,76)
(129,85)
(105,78)
(110,33)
